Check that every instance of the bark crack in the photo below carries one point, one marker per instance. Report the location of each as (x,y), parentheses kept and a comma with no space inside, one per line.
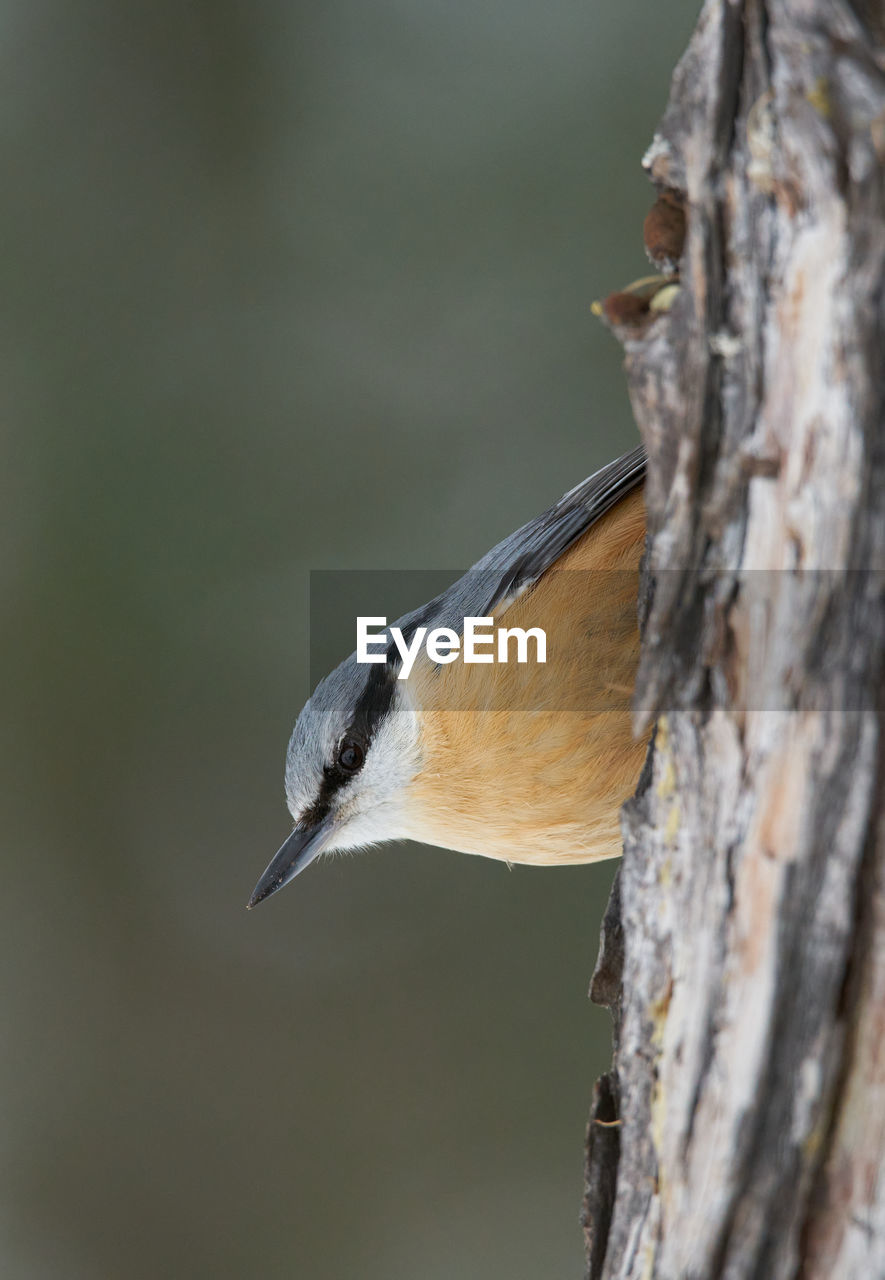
(744,955)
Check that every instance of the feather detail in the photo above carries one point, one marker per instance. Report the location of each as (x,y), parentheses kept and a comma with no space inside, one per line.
(531,761)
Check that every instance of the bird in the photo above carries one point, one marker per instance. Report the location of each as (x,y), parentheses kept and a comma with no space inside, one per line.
(522,761)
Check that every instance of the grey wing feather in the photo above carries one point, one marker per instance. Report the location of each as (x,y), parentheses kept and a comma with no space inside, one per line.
(524,556)
(517,562)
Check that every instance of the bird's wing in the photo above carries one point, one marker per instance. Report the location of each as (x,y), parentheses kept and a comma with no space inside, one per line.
(517,562)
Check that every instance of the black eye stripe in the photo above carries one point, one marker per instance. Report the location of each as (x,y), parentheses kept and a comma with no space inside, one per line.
(373,704)
(370,710)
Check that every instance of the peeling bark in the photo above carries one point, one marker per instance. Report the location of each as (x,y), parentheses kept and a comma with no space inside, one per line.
(744,955)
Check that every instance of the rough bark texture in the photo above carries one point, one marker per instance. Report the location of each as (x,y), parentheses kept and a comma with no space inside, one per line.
(744,954)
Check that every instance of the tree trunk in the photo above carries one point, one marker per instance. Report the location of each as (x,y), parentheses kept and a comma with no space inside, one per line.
(741,1131)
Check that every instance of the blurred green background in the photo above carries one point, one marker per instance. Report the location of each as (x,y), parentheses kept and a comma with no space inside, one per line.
(287,286)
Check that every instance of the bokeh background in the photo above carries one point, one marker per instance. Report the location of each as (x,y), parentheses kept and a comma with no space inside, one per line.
(286,286)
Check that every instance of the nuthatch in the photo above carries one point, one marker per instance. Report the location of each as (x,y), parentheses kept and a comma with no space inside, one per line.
(525,762)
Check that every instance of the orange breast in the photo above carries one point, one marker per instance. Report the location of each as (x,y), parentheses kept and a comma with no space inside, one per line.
(531,762)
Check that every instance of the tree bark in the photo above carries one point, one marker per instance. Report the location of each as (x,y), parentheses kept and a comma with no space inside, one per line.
(741,1131)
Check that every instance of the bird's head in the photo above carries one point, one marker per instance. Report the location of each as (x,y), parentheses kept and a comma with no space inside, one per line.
(351,758)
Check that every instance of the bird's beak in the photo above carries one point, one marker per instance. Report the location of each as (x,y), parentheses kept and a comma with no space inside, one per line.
(303,845)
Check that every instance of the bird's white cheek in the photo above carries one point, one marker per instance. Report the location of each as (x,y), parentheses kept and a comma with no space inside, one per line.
(375,808)
(372,827)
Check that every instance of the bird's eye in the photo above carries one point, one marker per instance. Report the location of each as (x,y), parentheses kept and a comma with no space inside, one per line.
(350,756)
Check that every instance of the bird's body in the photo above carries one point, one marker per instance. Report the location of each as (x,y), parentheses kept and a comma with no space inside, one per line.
(521,761)
(537,772)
